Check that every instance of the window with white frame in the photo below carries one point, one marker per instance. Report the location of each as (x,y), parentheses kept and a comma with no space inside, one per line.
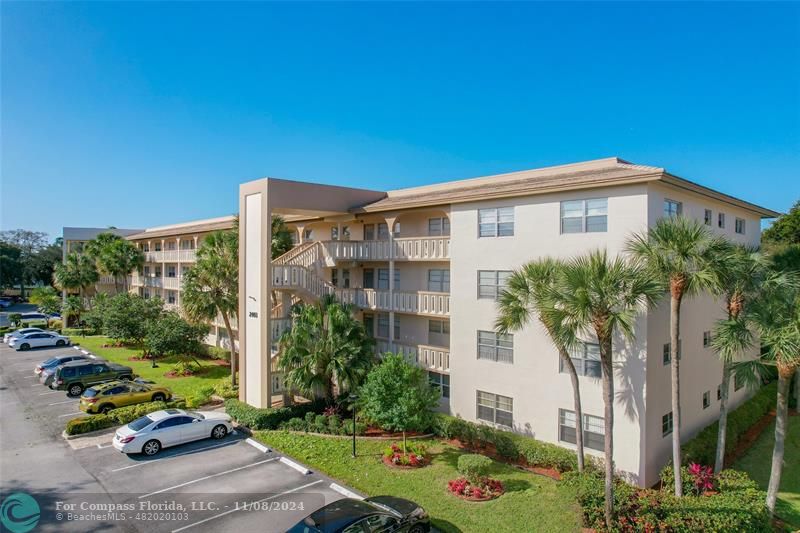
(369,232)
(383,278)
(719,392)
(666,424)
(171,271)
(584,216)
(383,231)
(171,299)
(187,244)
(667,355)
(739,226)
(369,324)
(593,429)
(157,246)
(706,339)
(495,408)
(383,326)
(172,245)
(438,226)
(706,399)
(586,358)
(145,247)
(495,346)
(708,216)
(721,220)
(496,222)
(491,283)
(438,332)
(439,280)
(307,233)
(672,208)
(440,381)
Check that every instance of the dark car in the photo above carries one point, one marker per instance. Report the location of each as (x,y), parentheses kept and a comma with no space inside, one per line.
(47,369)
(76,376)
(377,514)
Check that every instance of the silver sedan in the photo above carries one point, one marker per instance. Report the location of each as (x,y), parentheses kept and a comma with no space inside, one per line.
(170,427)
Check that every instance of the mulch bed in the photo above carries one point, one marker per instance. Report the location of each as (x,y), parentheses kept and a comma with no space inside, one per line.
(174,375)
(473,498)
(751,435)
(378,432)
(388,462)
(490,451)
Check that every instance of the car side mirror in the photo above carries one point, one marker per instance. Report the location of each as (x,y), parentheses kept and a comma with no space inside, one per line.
(195,420)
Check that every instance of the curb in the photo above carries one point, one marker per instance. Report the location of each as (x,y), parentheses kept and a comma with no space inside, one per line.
(345,492)
(257,445)
(95,433)
(300,468)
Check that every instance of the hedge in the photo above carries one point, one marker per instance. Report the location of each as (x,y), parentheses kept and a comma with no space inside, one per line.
(702,448)
(326,424)
(509,445)
(78,332)
(738,506)
(118,417)
(257,418)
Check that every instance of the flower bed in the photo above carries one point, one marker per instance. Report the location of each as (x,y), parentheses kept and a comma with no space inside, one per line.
(413,456)
(484,490)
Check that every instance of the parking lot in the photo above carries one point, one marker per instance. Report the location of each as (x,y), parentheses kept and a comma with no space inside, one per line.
(209,485)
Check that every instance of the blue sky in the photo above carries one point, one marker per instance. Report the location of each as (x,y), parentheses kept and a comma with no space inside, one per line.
(140,114)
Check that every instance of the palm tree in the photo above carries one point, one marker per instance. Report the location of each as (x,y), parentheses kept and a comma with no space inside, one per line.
(72,307)
(602,296)
(281,237)
(326,348)
(740,270)
(76,273)
(529,294)
(679,253)
(47,301)
(115,256)
(211,286)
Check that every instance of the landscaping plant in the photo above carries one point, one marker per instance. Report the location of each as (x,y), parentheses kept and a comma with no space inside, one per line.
(475,483)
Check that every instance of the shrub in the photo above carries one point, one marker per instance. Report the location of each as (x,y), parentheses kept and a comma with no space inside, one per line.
(702,448)
(200,397)
(75,332)
(295,424)
(268,418)
(117,417)
(225,389)
(320,424)
(215,352)
(473,466)
(56,325)
(85,424)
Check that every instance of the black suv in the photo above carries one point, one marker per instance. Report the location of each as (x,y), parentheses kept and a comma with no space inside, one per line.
(76,376)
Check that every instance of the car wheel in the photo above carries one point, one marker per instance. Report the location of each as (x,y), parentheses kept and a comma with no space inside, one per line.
(151,447)
(158,397)
(60,343)
(75,389)
(105,409)
(125,378)
(417,529)
(219,431)
(25,346)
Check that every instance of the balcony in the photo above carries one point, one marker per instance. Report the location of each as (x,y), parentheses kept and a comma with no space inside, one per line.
(171,256)
(106,280)
(405,249)
(173,282)
(435,358)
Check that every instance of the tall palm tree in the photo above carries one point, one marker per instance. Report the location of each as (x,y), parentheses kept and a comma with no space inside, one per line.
(326,348)
(72,307)
(76,273)
(679,253)
(115,256)
(211,286)
(740,270)
(281,237)
(530,294)
(602,296)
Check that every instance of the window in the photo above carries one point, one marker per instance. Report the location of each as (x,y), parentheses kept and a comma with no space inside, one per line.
(719,393)
(383,326)
(346,278)
(171,271)
(383,278)
(707,217)
(439,326)
(368,278)
(157,247)
(438,226)
(738,381)
(706,339)
(171,245)
(586,359)
(171,297)
(496,222)
(307,234)
(496,346)
(666,424)
(369,324)
(706,399)
(593,429)
(667,357)
(369,232)
(439,280)
(335,233)
(584,216)
(721,220)
(187,244)
(383,232)
(335,277)
(495,408)
(491,283)
(145,247)
(672,208)
(739,226)
(441,382)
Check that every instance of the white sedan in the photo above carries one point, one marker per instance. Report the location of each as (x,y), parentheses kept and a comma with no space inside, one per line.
(38,340)
(20,332)
(162,429)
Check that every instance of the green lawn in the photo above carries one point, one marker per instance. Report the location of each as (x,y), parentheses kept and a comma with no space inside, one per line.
(757,462)
(210,375)
(531,502)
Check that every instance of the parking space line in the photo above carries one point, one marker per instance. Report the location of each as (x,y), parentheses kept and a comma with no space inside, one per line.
(51,392)
(209,477)
(144,463)
(72,414)
(65,401)
(210,518)
(29,377)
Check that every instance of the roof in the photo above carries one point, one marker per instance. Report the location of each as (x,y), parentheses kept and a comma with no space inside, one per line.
(340,514)
(610,171)
(185,228)
(87,234)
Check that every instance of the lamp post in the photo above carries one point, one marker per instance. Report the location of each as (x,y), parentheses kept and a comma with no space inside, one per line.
(353,400)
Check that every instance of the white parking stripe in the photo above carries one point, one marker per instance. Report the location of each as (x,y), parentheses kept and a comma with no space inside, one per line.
(29,377)
(209,477)
(73,414)
(210,518)
(65,401)
(51,392)
(145,463)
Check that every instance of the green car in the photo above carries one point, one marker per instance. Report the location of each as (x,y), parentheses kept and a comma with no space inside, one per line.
(77,376)
(107,396)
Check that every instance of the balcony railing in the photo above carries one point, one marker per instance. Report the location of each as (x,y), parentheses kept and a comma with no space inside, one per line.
(173,282)
(430,357)
(171,256)
(405,249)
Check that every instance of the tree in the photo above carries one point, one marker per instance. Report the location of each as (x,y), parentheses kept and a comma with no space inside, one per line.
(76,273)
(281,237)
(47,301)
(398,397)
(602,296)
(10,265)
(530,293)
(326,348)
(72,307)
(169,334)
(29,243)
(739,270)
(95,315)
(679,253)
(15,319)
(115,256)
(127,316)
(785,230)
(211,286)
(43,264)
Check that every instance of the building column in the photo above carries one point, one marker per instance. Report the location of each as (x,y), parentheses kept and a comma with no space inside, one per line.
(390,220)
(300,234)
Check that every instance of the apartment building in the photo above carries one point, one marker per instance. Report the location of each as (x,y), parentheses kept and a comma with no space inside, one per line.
(423,266)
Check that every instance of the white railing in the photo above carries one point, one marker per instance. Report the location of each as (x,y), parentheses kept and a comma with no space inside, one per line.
(422,248)
(221,323)
(106,280)
(405,249)
(305,255)
(171,256)
(172,282)
(429,357)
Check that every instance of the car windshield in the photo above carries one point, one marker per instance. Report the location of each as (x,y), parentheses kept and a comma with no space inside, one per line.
(195,414)
(89,393)
(140,423)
